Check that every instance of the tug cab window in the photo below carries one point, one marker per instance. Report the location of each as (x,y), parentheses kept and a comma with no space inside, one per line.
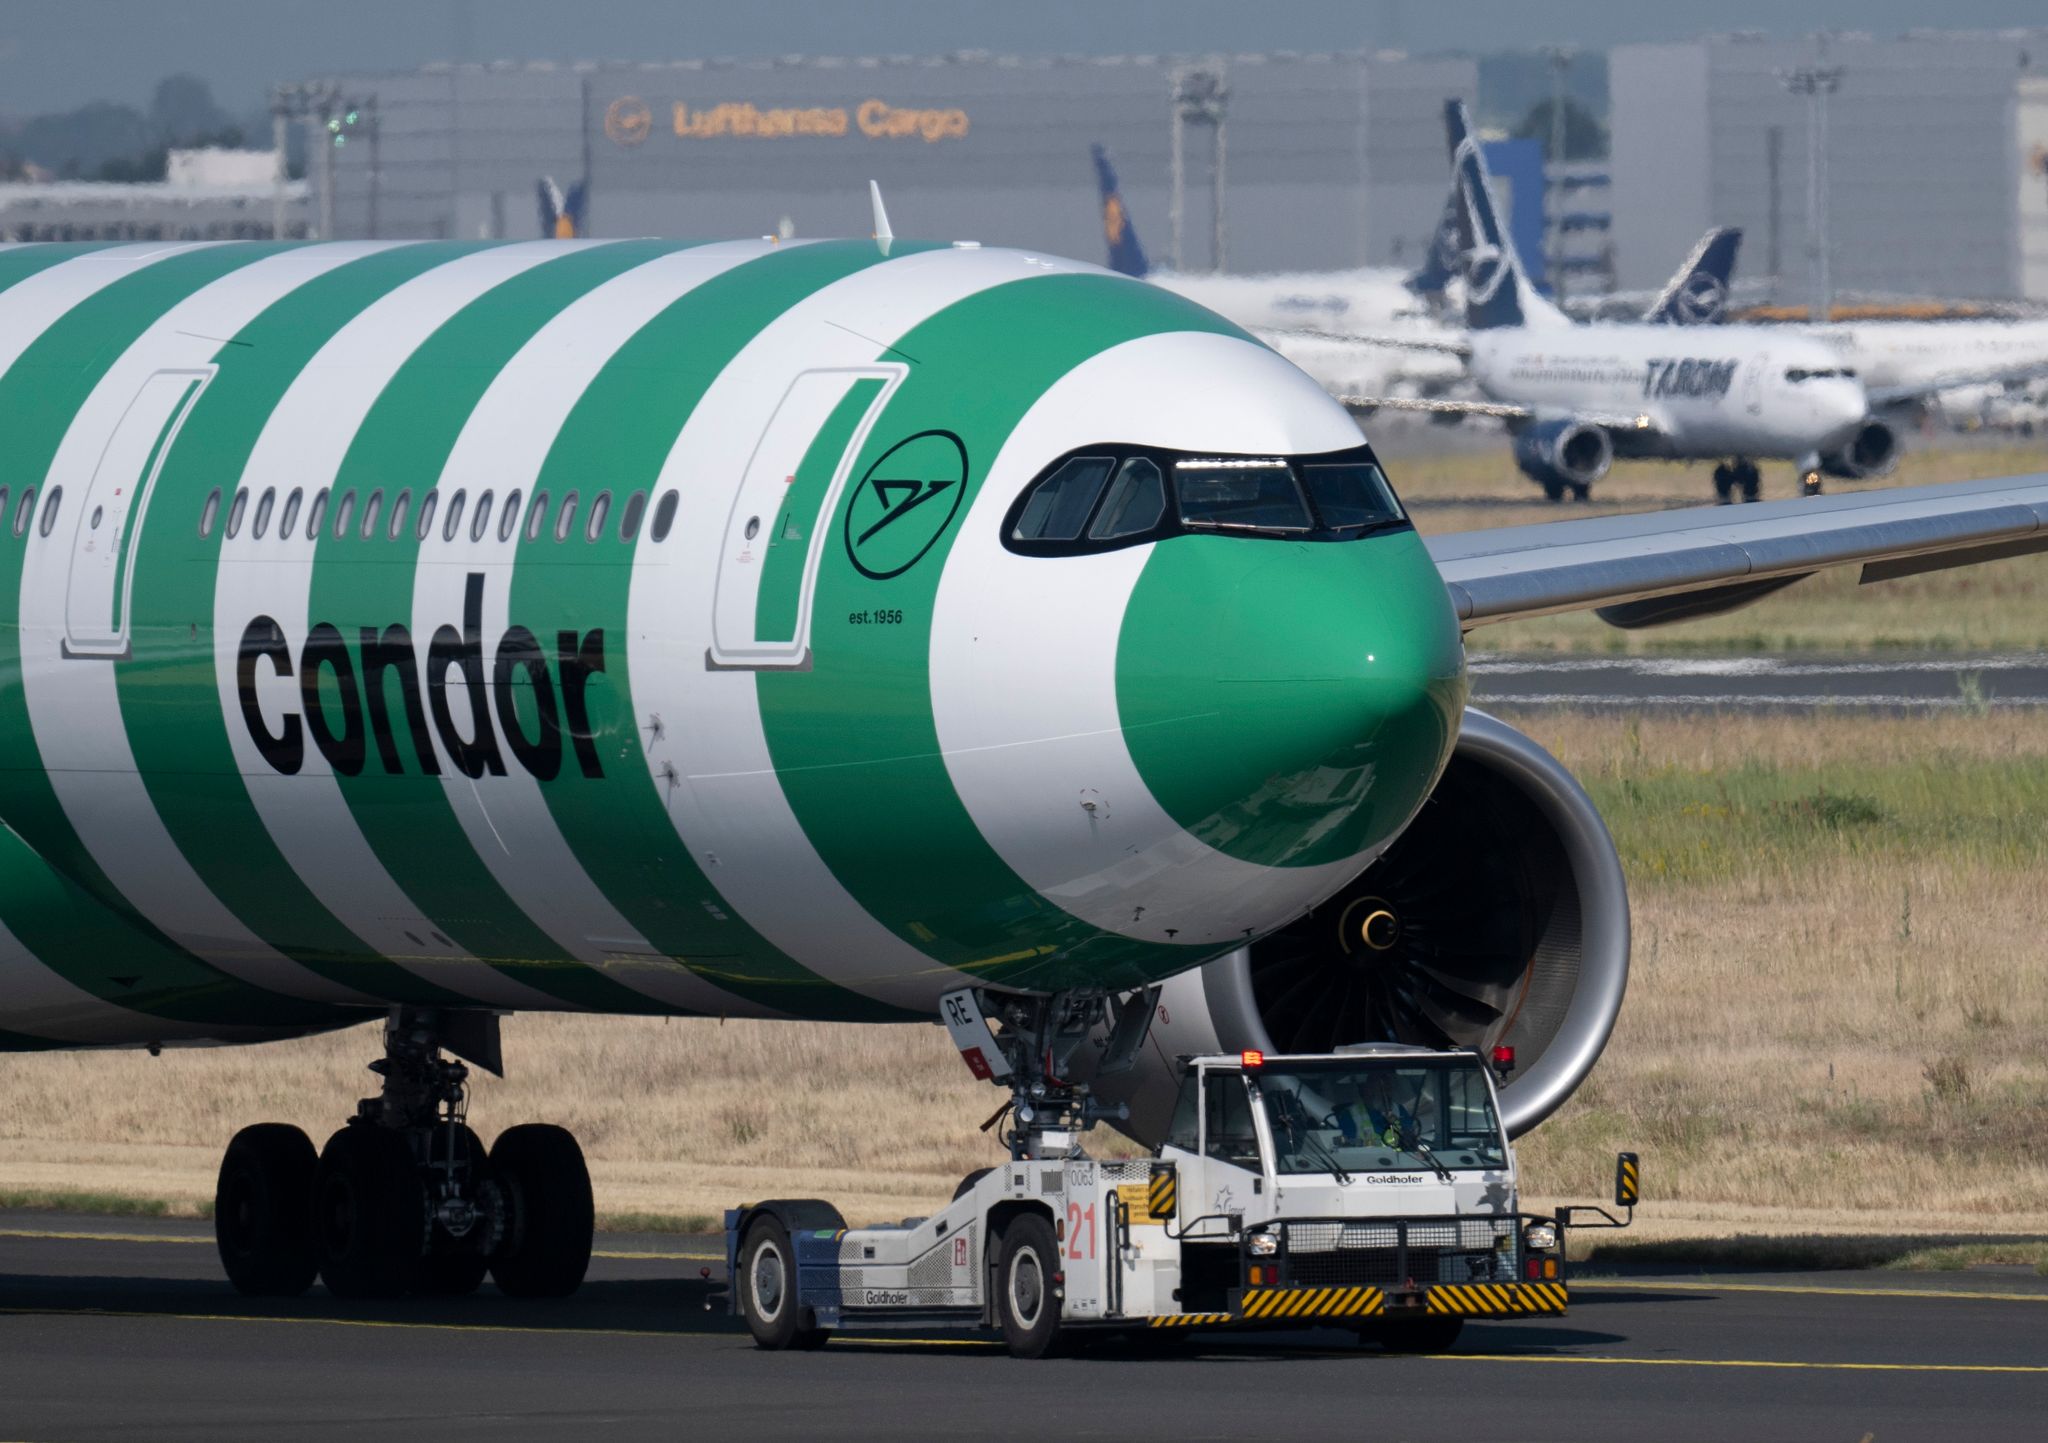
(1106,497)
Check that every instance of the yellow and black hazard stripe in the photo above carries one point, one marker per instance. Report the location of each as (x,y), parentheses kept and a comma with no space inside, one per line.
(1191,1320)
(1162,1199)
(1267,1303)
(1628,1180)
(1487,1300)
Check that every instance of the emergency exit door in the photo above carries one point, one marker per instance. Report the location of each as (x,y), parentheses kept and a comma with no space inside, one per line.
(108,517)
(777,531)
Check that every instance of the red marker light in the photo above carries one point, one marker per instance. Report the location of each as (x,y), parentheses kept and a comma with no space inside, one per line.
(1504,1058)
(1251,1057)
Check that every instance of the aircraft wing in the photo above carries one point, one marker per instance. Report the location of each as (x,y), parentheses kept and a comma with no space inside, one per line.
(1952,380)
(1664,566)
(1391,340)
(1637,422)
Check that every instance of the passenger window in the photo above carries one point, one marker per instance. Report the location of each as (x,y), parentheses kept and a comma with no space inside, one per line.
(1059,507)
(316,514)
(454,522)
(1137,499)
(236,509)
(509,522)
(1350,493)
(600,507)
(51,502)
(1254,495)
(263,508)
(373,504)
(290,518)
(565,519)
(400,504)
(664,515)
(208,514)
(481,522)
(430,502)
(537,517)
(344,512)
(629,523)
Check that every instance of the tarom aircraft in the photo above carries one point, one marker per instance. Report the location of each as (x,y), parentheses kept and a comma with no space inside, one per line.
(1965,367)
(430,631)
(1578,396)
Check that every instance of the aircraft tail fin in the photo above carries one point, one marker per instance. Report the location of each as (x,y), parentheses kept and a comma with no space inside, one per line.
(1441,263)
(1497,289)
(1697,293)
(1125,254)
(563,213)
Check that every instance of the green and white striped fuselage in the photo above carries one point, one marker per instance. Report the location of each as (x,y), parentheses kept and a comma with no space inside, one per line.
(786,730)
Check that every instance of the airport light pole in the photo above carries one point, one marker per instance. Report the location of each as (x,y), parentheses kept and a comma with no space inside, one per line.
(1816,83)
(1200,97)
(1560,57)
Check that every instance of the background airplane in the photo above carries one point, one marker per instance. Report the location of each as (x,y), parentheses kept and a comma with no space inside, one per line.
(430,631)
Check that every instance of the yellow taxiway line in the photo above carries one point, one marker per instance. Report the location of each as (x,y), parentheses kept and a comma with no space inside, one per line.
(1651,1285)
(84,1237)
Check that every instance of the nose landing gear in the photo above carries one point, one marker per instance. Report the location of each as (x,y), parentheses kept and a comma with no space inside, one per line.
(404,1198)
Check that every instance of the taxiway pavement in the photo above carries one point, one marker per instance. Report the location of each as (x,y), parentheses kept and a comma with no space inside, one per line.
(117,1328)
(1795,682)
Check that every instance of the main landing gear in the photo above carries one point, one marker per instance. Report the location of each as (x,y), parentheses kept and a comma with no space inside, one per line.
(405,1198)
(1737,477)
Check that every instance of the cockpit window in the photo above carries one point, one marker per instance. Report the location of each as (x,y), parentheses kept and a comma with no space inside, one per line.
(1101,498)
(1137,500)
(1255,495)
(1801,373)
(1060,507)
(1350,493)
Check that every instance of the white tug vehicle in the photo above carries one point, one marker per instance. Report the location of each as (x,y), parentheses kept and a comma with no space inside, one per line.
(1371,1189)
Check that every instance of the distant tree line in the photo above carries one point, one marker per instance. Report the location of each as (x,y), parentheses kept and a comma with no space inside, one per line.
(106,140)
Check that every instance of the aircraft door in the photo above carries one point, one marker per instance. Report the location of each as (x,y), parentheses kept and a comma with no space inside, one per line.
(1753,384)
(107,518)
(776,533)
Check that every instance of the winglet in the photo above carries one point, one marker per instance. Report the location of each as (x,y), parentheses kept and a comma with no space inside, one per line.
(882,231)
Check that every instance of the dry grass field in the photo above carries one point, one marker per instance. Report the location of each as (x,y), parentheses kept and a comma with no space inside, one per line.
(1998,607)
(1840,982)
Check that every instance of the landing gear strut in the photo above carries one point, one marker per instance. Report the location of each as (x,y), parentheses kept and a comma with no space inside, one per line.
(1036,1056)
(404,1198)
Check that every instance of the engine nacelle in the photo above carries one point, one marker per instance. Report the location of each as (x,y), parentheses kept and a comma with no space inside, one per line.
(1872,451)
(1499,917)
(1557,454)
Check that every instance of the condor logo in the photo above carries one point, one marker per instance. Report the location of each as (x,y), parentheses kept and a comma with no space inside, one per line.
(333,705)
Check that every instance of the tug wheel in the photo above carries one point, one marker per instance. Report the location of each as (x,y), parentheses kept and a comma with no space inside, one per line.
(1029,1281)
(766,1289)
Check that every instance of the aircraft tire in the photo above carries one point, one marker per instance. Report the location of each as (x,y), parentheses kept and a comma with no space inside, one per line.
(1424,1335)
(1724,484)
(1752,481)
(546,1250)
(263,1211)
(369,1214)
(1027,1296)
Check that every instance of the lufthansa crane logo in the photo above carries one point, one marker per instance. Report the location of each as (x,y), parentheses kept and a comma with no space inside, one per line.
(627,120)
(904,503)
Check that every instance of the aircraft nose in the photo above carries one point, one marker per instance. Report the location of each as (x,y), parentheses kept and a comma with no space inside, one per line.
(1291,703)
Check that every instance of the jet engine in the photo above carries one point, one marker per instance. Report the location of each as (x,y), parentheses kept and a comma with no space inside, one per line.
(1872,451)
(1563,454)
(1499,918)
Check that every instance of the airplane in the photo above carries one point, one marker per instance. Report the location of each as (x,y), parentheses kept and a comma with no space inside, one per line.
(1297,311)
(420,632)
(1578,396)
(1961,366)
